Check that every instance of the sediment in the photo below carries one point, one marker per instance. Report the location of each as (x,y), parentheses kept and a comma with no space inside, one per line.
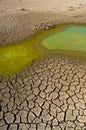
(51,94)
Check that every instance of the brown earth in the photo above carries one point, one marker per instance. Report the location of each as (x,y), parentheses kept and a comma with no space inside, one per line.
(20,19)
(51,94)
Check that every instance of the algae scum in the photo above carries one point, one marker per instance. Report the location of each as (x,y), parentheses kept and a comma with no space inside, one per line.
(72,38)
(64,39)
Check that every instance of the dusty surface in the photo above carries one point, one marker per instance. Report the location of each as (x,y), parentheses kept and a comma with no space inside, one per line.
(50,95)
(20,19)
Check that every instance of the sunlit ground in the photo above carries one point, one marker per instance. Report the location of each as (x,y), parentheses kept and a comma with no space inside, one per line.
(63,39)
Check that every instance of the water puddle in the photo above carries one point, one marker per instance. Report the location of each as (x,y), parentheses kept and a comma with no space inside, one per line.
(59,40)
(70,39)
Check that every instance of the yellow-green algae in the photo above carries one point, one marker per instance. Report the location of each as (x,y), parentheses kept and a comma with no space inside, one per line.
(17,57)
(72,38)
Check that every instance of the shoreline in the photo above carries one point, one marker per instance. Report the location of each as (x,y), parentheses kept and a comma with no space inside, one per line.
(21,21)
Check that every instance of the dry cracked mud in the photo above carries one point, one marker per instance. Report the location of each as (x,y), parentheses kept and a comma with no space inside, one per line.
(50,95)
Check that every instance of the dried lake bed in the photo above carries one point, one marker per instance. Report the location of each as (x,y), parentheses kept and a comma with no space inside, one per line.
(64,39)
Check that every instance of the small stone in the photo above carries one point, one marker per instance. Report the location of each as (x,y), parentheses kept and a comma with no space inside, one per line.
(22,9)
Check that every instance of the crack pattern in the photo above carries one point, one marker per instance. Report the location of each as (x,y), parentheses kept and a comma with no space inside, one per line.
(51,95)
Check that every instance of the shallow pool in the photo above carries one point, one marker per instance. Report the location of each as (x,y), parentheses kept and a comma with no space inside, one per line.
(71,38)
(59,40)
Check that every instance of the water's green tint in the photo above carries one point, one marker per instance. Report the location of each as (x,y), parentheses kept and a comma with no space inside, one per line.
(15,58)
(71,38)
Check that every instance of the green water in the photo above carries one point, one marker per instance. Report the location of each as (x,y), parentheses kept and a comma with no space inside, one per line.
(17,57)
(14,58)
(72,38)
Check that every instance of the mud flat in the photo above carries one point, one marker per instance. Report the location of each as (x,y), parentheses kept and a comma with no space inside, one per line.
(20,19)
(64,39)
(51,94)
